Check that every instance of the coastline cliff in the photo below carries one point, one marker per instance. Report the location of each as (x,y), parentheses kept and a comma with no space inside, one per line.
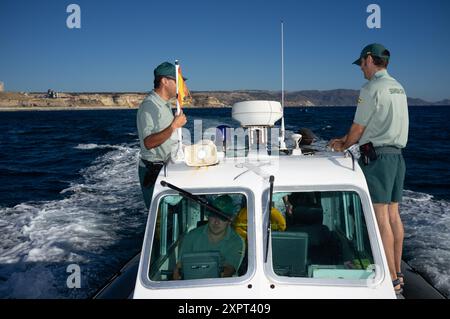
(310,98)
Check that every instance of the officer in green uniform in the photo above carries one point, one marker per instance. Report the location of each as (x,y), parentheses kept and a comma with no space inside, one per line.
(157,127)
(381,128)
(217,235)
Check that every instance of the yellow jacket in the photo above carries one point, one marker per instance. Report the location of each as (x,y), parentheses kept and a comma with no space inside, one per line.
(277,221)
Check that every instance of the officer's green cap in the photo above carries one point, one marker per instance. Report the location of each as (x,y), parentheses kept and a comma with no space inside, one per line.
(166,69)
(374,49)
(224,203)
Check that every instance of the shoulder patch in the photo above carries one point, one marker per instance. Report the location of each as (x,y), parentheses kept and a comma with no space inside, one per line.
(360,100)
(396,91)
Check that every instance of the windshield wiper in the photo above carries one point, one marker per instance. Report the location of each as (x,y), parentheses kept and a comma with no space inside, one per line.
(203,202)
(271,179)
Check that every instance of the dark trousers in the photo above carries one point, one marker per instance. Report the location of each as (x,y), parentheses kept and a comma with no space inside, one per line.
(147,178)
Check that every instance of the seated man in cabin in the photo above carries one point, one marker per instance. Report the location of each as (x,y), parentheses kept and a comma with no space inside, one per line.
(216,235)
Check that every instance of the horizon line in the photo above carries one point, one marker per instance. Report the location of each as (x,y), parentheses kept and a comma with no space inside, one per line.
(201,91)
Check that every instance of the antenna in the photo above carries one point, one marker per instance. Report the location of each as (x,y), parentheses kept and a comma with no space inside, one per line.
(282,64)
(282,137)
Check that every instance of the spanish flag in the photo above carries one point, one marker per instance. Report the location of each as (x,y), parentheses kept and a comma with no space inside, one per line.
(184,96)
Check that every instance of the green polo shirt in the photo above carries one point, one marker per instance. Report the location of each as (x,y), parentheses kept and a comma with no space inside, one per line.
(231,247)
(154,115)
(383,110)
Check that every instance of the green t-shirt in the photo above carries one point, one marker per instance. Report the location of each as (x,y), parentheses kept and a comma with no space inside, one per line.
(155,115)
(383,110)
(231,247)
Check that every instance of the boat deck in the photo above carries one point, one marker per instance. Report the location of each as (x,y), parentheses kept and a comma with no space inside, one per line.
(324,169)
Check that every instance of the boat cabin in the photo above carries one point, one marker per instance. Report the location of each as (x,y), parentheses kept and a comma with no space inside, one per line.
(325,245)
(297,226)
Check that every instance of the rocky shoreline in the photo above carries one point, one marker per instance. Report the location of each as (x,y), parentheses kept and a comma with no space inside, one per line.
(111,100)
(69,100)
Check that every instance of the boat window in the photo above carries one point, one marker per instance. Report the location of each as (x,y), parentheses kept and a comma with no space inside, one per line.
(325,236)
(190,242)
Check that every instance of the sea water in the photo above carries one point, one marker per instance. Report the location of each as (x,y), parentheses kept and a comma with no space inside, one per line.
(69,193)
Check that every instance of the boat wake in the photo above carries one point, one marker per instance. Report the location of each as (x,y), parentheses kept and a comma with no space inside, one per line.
(98,225)
(93,146)
(427,234)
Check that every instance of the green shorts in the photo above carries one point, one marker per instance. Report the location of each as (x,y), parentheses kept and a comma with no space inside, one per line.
(385,178)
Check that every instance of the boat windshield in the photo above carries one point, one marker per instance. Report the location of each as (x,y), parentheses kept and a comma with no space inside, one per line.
(191,242)
(325,236)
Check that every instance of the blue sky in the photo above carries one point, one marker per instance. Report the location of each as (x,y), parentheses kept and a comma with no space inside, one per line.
(222,45)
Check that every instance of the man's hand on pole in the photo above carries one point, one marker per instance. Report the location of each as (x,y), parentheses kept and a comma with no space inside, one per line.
(179,120)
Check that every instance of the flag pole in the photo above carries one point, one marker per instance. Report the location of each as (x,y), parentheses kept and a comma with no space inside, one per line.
(177,66)
(282,137)
(180,153)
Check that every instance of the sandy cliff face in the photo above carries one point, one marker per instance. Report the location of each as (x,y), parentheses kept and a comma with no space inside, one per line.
(13,99)
(200,99)
(132,100)
(206,99)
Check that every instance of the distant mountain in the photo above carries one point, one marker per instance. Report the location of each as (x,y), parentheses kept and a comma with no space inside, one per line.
(443,102)
(413,101)
(338,97)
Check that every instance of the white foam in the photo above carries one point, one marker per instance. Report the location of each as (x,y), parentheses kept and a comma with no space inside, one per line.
(86,146)
(40,239)
(427,237)
(416,197)
(92,146)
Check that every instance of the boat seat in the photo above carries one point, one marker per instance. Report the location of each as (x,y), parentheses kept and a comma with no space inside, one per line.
(305,215)
(318,234)
(309,220)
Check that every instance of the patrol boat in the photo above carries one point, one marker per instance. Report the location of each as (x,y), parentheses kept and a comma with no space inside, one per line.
(329,245)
